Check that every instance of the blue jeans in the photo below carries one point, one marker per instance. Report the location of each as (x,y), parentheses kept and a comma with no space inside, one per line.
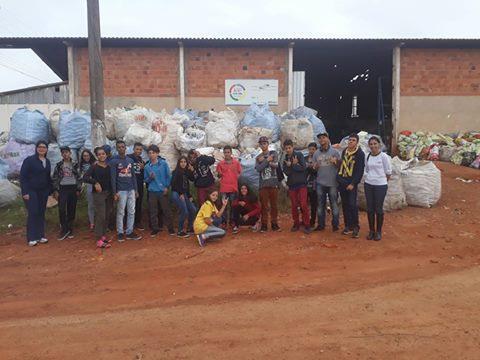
(186,209)
(36,207)
(213,232)
(322,192)
(127,199)
(227,217)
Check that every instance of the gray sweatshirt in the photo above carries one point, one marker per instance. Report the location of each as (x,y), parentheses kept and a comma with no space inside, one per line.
(268,171)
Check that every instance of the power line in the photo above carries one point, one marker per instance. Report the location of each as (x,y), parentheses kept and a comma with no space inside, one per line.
(23,72)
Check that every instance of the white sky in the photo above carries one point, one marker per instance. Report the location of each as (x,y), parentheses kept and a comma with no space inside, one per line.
(225,18)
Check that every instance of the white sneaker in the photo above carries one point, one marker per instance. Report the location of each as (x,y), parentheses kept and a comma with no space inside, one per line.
(43,241)
(32,243)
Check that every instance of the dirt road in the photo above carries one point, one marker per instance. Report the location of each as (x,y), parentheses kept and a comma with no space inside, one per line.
(413,295)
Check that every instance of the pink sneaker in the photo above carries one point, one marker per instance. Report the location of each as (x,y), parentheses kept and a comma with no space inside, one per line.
(102,244)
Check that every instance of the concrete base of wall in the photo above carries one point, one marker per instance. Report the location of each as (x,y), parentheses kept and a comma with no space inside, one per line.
(439,113)
(157,104)
(154,103)
(6,111)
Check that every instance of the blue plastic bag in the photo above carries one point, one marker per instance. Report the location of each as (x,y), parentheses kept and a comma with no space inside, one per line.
(310,115)
(74,129)
(261,116)
(28,127)
(249,176)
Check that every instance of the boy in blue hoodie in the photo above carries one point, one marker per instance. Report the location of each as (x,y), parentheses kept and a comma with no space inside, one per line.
(157,176)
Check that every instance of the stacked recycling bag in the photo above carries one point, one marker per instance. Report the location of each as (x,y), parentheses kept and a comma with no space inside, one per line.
(460,149)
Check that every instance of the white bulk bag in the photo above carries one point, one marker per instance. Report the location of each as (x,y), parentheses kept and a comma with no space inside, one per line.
(300,131)
(249,136)
(221,133)
(191,138)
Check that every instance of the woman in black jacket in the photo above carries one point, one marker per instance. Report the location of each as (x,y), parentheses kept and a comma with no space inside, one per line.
(36,184)
(181,178)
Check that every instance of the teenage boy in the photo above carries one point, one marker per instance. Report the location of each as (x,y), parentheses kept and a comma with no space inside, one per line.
(295,168)
(67,186)
(267,165)
(349,176)
(326,161)
(124,188)
(229,170)
(312,183)
(138,166)
(158,177)
(204,181)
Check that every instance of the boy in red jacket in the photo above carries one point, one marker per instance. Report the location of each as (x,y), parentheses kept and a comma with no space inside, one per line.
(246,210)
(228,171)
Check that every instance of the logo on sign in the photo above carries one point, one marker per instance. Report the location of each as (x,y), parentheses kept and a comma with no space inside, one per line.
(237,92)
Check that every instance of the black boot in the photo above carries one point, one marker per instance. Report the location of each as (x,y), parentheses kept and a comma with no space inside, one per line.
(378,234)
(371,226)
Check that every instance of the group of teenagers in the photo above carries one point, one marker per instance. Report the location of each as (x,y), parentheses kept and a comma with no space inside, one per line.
(115,188)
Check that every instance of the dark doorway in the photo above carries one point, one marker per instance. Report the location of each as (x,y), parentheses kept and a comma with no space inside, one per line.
(335,72)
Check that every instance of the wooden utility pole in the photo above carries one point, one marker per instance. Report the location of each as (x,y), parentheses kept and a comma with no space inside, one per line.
(95,68)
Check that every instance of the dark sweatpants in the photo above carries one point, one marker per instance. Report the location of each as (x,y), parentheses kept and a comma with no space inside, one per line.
(36,207)
(158,200)
(349,207)
(139,203)
(67,206)
(313,202)
(103,204)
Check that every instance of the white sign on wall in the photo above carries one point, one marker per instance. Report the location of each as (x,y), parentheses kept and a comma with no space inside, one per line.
(247,92)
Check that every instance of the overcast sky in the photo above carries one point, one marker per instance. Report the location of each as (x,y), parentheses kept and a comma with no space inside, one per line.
(225,18)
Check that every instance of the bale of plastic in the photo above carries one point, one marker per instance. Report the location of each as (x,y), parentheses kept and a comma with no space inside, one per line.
(191,138)
(300,131)
(54,120)
(8,192)
(137,133)
(54,154)
(28,126)
(74,129)
(303,112)
(13,154)
(395,199)
(221,133)
(249,136)
(261,116)
(422,181)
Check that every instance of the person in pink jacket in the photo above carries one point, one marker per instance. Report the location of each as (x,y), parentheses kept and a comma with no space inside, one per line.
(229,170)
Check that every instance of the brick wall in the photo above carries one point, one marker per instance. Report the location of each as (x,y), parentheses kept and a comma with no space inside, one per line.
(133,72)
(207,68)
(440,72)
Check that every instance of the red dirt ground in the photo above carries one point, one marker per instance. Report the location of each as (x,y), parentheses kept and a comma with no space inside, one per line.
(275,295)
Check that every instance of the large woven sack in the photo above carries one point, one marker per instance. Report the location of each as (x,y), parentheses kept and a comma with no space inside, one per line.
(300,131)
(191,138)
(249,136)
(139,134)
(168,127)
(261,116)
(14,153)
(74,129)
(28,126)
(221,133)
(422,181)
(8,192)
(395,198)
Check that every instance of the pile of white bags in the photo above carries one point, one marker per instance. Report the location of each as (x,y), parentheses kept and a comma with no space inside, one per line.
(111,117)
(422,181)
(300,131)
(139,133)
(191,138)
(14,153)
(303,112)
(249,136)
(74,129)
(28,126)
(222,128)
(8,192)
(261,116)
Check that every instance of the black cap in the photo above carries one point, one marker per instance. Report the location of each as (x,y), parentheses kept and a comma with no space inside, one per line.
(263,139)
(65,148)
(323,134)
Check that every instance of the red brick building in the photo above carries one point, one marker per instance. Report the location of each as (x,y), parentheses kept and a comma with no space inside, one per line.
(397,84)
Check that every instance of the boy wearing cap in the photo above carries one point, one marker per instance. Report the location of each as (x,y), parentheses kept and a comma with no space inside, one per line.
(326,161)
(66,186)
(267,165)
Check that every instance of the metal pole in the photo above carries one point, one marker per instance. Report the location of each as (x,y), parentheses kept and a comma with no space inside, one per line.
(181,73)
(95,68)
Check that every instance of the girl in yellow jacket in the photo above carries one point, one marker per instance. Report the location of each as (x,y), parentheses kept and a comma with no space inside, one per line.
(203,225)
